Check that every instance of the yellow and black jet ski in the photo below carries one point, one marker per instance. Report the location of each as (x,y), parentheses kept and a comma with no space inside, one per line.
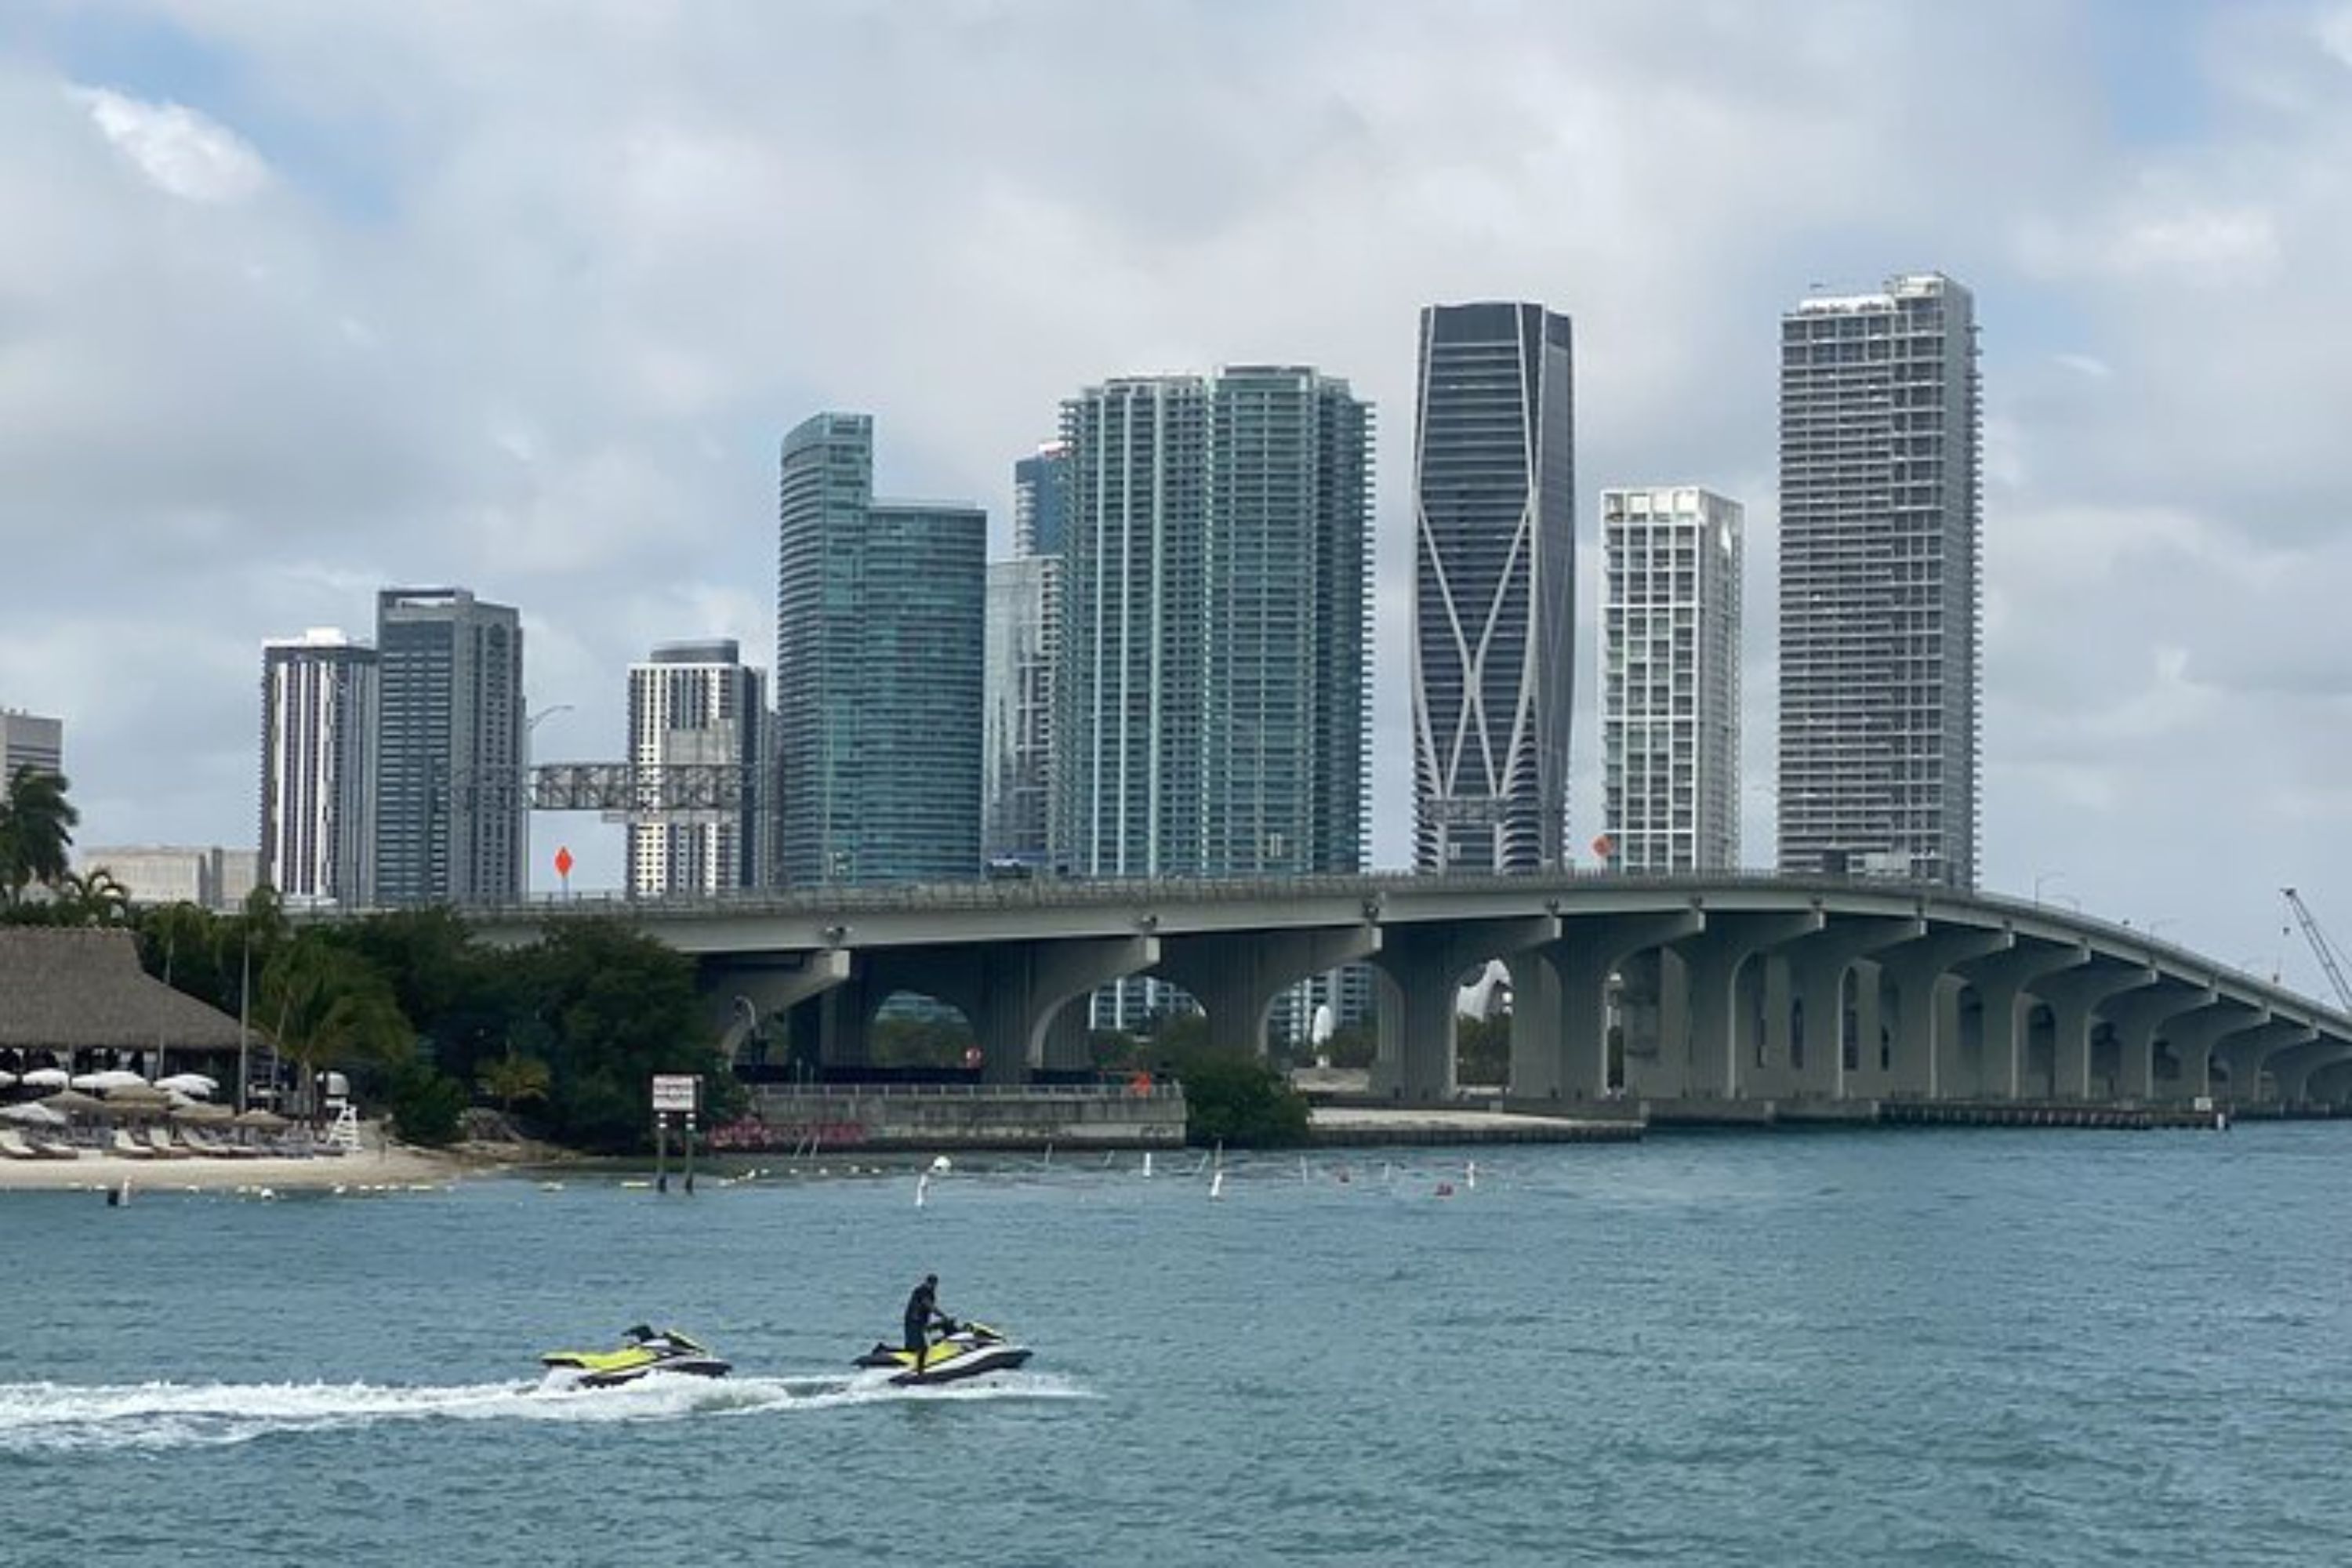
(642,1352)
(966,1350)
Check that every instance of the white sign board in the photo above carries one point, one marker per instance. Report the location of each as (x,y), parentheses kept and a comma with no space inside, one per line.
(677,1092)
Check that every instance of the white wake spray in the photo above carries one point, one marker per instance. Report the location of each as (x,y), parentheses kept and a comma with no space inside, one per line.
(55,1417)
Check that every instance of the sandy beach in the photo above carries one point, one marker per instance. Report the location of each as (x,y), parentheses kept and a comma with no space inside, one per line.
(376,1164)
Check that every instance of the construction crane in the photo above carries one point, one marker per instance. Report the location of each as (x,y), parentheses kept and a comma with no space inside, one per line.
(2329,959)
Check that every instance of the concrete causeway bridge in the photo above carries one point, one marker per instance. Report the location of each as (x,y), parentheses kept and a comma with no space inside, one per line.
(1722,991)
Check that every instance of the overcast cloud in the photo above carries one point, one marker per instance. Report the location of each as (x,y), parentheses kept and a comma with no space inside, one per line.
(298,300)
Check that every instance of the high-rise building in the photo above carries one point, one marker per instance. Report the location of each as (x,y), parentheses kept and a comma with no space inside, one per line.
(450,807)
(879,623)
(1017,730)
(1881,582)
(318,768)
(209,876)
(29,740)
(1213,717)
(698,713)
(1041,500)
(1494,588)
(1670,679)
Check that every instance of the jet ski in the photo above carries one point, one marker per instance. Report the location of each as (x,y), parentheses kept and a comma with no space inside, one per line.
(644,1351)
(967,1350)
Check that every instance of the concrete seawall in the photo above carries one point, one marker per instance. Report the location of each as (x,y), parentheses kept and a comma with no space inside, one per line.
(907,1117)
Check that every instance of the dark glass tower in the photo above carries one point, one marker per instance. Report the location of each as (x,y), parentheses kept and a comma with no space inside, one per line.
(879,612)
(450,819)
(1494,588)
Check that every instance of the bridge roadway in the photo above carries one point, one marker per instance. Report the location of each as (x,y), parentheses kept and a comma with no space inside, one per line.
(1681,989)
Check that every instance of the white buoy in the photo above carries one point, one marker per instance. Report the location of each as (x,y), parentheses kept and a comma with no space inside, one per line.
(1217,1183)
(1146,1165)
(1302,1168)
(1471,1175)
(941,1164)
(922,1186)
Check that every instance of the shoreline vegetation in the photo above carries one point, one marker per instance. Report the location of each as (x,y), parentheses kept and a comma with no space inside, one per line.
(561,1036)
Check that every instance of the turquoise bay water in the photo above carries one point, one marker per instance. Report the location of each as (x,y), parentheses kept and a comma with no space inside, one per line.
(1960,1348)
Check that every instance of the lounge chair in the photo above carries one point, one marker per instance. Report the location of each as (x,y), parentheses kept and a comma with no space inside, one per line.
(206,1144)
(14,1147)
(159,1139)
(129,1148)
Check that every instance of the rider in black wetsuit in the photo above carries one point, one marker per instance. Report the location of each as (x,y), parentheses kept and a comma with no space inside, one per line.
(922,1311)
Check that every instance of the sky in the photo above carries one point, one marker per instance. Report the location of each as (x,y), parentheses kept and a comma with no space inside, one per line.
(298,301)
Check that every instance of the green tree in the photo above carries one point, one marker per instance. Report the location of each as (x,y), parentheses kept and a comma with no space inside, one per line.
(1483,1050)
(514,1076)
(618,1008)
(1353,1046)
(427,1107)
(36,823)
(328,1007)
(93,898)
(1247,1104)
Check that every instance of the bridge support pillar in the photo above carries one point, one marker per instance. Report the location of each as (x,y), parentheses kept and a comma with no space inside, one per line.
(1236,977)
(1023,985)
(2247,1054)
(2137,1016)
(2293,1068)
(743,996)
(1420,971)
(2192,1037)
(1560,1044)
(1926,1029)
(1717,1064)
(2074,996)
(1818,965)
(2003,980)
(2326,1079)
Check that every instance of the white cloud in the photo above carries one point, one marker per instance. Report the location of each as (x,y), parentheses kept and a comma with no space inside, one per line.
(193,157)
(532,318)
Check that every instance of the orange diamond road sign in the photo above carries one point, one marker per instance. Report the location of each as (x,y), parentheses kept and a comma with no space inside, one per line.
(563,861)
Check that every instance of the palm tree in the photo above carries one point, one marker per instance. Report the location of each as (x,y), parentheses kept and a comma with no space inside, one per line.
(511,1078)
(331,1007)
(93,899)
(36,823)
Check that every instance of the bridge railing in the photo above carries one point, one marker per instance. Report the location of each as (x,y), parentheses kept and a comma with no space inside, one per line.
(1105,1090)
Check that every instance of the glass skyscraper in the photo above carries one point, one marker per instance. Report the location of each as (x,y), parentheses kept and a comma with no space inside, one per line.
(450,803)
(1017,730)
(1041,485)
(1494,588)
(1212,719)
(880,613)
(1881,582)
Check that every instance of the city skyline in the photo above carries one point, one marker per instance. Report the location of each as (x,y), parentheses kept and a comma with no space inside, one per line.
(385,348)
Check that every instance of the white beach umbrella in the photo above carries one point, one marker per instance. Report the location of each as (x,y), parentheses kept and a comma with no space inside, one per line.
(195,1085)
(46,1078)
(7,1079)
(32,1113)
(99,1082)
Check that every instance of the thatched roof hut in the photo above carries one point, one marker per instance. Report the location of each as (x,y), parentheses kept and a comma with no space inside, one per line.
(67,991)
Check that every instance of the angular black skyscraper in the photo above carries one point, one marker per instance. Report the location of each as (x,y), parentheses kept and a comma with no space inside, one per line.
(1494,588)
